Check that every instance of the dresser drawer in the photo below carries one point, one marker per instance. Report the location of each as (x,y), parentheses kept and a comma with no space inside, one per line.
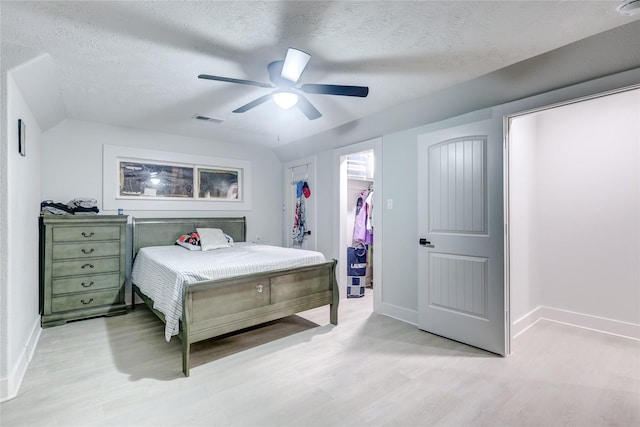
(85,283)
(85,300)
(85,250)
(85,266)
(86,233)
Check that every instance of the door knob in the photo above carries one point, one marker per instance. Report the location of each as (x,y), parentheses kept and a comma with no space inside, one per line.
(424,242)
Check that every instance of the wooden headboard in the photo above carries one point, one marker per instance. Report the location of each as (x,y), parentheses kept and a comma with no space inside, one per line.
(165,231)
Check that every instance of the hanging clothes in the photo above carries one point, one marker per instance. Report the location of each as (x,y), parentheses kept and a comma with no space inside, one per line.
(363,230)
(369,203)
(300,220)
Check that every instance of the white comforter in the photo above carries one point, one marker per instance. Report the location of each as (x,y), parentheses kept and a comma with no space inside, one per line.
(161,272)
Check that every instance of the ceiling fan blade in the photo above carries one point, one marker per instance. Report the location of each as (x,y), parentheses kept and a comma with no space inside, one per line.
(294,64)
(230,80)
(307,108)
(361,91)
(253,104)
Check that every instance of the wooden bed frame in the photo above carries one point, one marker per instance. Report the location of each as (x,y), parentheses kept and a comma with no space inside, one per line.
(215,307)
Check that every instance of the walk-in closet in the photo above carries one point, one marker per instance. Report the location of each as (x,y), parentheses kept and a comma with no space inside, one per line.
(359,238)
(574,215)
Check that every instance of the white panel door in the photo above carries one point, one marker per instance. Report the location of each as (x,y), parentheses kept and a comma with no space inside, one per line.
(461,290)
(303,170)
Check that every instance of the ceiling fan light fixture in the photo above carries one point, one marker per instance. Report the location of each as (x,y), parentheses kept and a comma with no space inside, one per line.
(284,74)
(628,7)
(285,100)
(294,64)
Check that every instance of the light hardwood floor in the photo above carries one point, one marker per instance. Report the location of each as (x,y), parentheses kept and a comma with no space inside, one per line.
(302,371)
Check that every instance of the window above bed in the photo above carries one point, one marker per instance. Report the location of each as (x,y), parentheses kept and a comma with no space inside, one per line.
(139,179)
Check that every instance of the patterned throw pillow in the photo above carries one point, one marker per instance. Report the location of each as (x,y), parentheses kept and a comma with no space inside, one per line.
(190,241)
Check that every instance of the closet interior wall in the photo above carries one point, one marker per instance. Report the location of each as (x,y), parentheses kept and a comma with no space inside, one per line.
(574,186)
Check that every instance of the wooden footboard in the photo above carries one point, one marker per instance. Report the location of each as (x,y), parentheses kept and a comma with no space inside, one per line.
(216,307)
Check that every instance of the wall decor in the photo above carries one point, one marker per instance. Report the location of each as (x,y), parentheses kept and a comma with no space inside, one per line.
(22,138)
(140,179)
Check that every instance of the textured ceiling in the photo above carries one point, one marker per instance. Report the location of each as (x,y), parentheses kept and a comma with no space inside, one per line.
(135,64)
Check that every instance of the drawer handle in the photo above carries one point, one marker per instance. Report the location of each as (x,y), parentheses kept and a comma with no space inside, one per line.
(87,252)
(87,265)
(87,235)
(259,288)
(86,302)
(84,285)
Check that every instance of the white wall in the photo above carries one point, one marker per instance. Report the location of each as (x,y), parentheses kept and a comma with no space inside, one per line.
(581,214)
(589,207)
(20,286)
(526,287)
(73,168)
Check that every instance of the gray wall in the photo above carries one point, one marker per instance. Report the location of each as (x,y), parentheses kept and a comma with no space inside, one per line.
(400,224)
(399,182)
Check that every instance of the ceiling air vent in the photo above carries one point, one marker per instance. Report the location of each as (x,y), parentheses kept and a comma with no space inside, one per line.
(207,119)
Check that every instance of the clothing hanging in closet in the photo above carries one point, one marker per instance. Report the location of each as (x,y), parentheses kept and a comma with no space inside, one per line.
(300,220)
(363,227)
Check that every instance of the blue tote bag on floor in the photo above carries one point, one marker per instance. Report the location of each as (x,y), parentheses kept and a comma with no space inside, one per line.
(357,261)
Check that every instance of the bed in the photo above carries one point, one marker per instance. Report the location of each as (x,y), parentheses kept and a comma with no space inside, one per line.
(207,303)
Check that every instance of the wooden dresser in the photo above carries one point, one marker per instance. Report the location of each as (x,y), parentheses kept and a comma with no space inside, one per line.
(82,267)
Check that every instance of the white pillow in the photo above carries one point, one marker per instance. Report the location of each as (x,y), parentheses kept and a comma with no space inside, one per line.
(212,238)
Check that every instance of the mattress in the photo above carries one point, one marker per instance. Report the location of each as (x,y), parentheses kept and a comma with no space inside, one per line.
(161,272)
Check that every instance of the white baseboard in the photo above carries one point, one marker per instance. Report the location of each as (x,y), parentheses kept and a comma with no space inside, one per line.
(581,320)
(400,313)
(525,322)
(10,386)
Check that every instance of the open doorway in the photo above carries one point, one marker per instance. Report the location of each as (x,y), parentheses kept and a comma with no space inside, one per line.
(358,240)
(359,222)
(573,206)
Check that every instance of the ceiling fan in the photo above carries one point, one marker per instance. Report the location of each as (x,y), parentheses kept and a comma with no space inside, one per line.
(284,74)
